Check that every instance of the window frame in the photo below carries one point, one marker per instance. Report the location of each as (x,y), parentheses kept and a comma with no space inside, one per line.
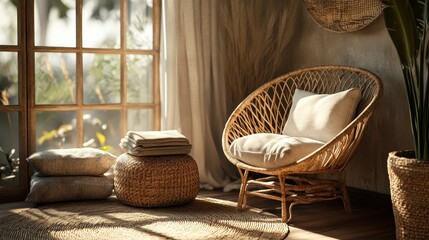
(79,107)
(11,193)
(26,66)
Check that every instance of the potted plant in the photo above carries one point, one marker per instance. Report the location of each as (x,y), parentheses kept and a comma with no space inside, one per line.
(407,24)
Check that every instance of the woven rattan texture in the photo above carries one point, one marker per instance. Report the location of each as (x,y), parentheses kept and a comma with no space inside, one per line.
(409,187)
(266,111)
(344,15)
(156,181)
(203,219)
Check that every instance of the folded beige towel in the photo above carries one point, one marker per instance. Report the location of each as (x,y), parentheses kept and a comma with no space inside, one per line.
(161,142)
(157,138)
(156,150)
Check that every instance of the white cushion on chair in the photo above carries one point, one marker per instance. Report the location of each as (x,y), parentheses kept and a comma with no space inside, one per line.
(270,150)
(321,116)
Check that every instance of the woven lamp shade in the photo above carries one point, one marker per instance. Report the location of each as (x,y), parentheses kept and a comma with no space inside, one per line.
(344,15)
(156,181)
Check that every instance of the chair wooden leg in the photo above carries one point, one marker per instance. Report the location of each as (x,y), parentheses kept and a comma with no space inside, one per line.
(242,198)
(283,198)
(346,201)
(345,198)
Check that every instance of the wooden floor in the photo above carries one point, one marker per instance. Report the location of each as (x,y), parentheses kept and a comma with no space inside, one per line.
(326,220)
(320,221)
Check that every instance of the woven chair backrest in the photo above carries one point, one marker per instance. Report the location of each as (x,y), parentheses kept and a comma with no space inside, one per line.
(266,109)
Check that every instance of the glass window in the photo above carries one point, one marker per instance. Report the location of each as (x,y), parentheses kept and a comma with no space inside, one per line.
(88,93)
(55,23)
(9,149)
(55,78)
(55,129)
(101,24)
(140,24)
(102,130)
(9,90)
(13,111)
(102,78)
(140,119)
(8,23)
(139,76)
(74,73)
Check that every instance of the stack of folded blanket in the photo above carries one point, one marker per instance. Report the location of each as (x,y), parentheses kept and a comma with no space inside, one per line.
(154,143)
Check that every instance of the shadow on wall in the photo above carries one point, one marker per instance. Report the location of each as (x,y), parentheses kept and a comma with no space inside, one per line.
(369,48)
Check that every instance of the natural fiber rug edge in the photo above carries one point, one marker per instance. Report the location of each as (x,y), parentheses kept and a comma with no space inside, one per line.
(203,218)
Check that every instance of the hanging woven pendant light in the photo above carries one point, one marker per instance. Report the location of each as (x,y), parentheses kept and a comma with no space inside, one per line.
(344,15)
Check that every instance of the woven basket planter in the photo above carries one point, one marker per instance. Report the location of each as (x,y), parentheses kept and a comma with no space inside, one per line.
(156,181)
(409,188)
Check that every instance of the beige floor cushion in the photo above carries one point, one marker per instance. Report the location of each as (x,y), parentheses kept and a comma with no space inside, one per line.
(72,161)
(68,188)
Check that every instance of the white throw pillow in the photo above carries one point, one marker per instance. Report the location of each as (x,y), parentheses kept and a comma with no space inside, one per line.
(321,116)
(270,150)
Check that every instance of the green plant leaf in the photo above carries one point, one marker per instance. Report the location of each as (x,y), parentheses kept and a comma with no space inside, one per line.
(407,24)
(399,20)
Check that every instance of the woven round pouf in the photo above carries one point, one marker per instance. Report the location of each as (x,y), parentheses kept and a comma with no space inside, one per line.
(156,181)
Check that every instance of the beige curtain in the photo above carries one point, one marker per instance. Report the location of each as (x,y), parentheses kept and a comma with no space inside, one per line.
(193,91)
(255,35)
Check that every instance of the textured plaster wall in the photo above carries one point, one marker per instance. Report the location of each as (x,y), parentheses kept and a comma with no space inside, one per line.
(372,49)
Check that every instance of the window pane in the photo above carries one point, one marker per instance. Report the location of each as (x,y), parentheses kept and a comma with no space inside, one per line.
(9,79)
(55,130)
(140,28)
(101,24)
(140,120)
(139,79)
(101,78)
(55,78)
(9,149)
(55,23)
(102,130)
(8,23)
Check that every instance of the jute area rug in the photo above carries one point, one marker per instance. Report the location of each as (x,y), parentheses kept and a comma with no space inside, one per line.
(204,218)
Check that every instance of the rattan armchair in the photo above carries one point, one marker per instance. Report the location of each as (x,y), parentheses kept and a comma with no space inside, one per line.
(266,111)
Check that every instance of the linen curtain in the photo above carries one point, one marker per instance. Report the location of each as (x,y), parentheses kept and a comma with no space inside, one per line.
(192,87)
